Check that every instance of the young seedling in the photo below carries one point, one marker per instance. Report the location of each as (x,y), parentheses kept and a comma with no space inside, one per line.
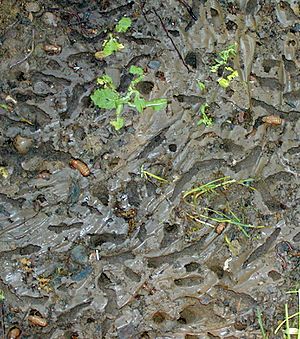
(261,325)
(223,58)
(201,85)
(208,215)
(205,119)
(146,174)
(112,44)
(2,297)
(211,186)
(230,218)
(225,82)
(290,330)
(107,97)
(222,61)
(4,106)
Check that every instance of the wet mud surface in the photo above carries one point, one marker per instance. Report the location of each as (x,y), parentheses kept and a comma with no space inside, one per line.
(118,255)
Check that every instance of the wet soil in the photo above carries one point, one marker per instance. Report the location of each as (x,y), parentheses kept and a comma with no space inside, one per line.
(118,255)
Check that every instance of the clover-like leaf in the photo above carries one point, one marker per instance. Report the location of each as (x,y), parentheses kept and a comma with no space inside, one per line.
(105,98)
(135,70)
(123,25)
(110,46)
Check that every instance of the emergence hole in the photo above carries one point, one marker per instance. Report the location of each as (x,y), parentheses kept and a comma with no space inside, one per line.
(173,147)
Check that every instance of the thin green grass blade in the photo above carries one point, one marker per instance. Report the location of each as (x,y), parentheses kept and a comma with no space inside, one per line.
(287,330)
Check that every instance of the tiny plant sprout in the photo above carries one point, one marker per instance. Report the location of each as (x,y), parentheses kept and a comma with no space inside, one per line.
(107,97)
(223,57)
(225,82)
(2,297)
(109,46)
(207,121)
(112,44)
(123,25)
(201,85)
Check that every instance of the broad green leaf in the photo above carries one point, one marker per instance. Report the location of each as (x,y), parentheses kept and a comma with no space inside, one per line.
(223,82)
(118,123)
(157,104)
(123,25)
(105,98)
(201,85)
(139,103)
(136,70)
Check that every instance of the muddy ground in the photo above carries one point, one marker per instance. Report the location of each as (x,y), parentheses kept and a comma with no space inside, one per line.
(118,255)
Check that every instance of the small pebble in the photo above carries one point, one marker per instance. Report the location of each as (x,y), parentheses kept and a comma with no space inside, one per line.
(22,144)
(32,7)
(14,333)
(154,64)
(79,254)
(52,49)
(50,19)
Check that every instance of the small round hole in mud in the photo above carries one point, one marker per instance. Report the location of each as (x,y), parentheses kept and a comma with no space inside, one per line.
(192,266)
(231,25)
(145,87)
(172,147)
(191,59)
(170,228)
(214,12)
(274,275)
(20,76)
(181,320)
(238,325)
(159,317)
(292,43)
(90,320)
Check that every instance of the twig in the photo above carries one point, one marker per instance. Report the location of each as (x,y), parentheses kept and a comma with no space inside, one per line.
(170,38)
(28,55)
(189,9)
(2,319)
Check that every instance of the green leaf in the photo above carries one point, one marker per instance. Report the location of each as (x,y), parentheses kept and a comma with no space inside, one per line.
(223,82)
(135,70)
(233,75)
(139,103)
(157,104)
(123,25)
(203,108)
(110,46)
(4,106)
(106,81)
(207,121)
(223,57)
(118,123)
(201,85)
(105,98)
